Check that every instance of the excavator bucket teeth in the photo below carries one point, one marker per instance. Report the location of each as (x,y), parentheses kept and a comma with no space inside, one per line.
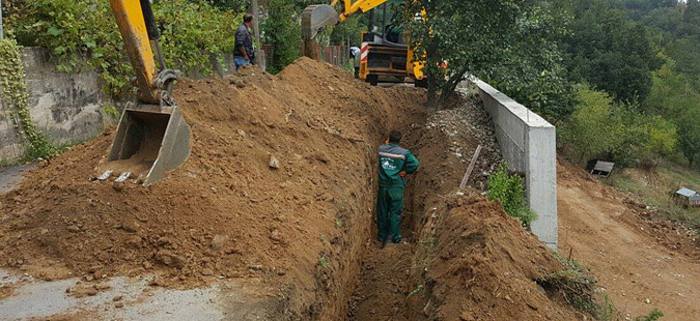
(315,17)
(150,141)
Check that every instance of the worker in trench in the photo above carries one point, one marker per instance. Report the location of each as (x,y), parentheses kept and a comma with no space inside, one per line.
(395,162)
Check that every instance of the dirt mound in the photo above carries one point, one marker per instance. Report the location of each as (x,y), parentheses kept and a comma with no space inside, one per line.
(482,265)
(227,212)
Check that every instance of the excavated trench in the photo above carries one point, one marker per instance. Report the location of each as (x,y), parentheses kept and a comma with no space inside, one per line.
(384,281)
(390,280)
(372,283)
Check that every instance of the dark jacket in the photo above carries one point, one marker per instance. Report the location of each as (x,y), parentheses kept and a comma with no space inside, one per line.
(244,40)
(394,159)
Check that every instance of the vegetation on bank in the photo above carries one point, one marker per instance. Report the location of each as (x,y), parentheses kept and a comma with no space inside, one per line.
(575,285)
(508,189)
(657,188)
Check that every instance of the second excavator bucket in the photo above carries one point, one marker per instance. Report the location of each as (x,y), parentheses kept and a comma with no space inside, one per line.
(150,141)
(315,17)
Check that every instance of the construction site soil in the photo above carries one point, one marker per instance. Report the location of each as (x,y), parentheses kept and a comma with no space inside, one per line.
(279,190)
(642,260)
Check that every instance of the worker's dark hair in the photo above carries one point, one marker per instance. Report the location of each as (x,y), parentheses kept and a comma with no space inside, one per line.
(395,137)
(248,17)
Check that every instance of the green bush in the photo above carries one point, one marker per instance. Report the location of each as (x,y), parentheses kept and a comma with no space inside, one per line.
(192,30)
(508,189)
(283,32)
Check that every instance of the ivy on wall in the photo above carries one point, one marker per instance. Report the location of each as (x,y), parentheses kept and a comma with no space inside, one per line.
(14,93)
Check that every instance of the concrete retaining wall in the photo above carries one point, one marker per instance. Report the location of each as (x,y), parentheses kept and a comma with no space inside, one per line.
(528,143)
(66,107)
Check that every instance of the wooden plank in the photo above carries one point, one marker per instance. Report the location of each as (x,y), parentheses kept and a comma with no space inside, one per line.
(465,180)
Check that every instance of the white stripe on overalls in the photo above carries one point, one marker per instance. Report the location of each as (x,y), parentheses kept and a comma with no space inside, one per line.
(392,155)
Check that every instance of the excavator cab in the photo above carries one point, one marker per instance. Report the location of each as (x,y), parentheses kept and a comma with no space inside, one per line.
(152,137)
(385,54)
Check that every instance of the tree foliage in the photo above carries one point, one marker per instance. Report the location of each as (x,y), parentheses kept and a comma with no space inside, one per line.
(587,132)
(509,42)
(610,52)
(601,127)
(283,31)
(689,134)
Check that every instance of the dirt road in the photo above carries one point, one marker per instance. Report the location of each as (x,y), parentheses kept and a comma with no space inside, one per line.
(607,237)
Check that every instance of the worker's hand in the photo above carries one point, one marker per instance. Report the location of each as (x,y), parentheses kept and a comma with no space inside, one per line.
(386,142)
(402,174)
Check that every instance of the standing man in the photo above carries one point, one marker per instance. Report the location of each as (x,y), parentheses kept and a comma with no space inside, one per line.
(395,162)
(243,51)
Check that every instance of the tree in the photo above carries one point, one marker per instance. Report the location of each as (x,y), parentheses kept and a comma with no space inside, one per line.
(672,92)
(689,134)
(479,37)
(600,127)
(234,5)
(588,130)
(686,53)
(283,32)
(610,52)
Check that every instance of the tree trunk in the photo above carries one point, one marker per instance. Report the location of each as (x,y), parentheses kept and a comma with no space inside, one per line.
(261,61)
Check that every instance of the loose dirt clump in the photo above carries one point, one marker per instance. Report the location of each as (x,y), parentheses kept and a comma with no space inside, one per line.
(228,211)
(6,291)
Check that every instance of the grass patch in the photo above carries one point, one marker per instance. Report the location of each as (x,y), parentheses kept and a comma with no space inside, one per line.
(508,189)
(575,285)
(323,262)
(652,316)
(656,189)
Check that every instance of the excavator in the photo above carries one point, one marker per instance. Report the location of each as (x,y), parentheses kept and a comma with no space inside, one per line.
(385,55)
(152,137)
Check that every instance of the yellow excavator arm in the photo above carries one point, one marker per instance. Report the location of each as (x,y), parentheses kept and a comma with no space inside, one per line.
(316,17)
(152,137)
(362,6)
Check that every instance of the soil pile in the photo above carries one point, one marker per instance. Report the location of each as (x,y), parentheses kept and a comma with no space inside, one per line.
(278,180)
(482,265)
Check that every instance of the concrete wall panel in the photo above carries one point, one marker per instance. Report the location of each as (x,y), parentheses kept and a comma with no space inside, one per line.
(528,143)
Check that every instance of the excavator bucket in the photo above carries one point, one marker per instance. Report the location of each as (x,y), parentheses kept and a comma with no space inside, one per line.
(150,141)
(315,17)
(152,137)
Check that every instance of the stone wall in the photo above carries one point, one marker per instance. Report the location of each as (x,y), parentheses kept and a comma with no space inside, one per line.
(528,143)
(66,107)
